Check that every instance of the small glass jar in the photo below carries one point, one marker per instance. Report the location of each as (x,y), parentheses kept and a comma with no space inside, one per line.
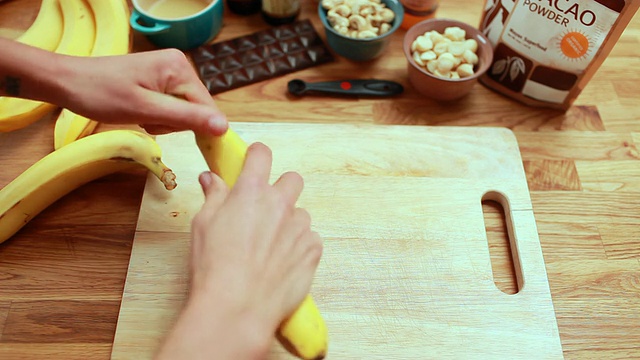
(279,12)
(418,10)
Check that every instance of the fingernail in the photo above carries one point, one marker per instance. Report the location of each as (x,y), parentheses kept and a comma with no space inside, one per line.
(217,122)
(206,179)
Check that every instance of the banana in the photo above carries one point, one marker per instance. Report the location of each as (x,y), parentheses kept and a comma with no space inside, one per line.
(17,113)
(45,33)
(79,28)
(304,334)
(64,170)
(224,154)
(78,33)
(112,37)
(70,127)
(46,30)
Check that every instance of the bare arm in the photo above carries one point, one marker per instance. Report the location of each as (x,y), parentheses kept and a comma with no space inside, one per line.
(157,89)
(26,72)
(210,328)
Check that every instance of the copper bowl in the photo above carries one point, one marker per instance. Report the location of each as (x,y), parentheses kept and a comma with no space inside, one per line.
(436,87)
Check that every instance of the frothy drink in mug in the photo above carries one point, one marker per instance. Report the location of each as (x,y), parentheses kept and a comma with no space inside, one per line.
(546,51)
(176,9)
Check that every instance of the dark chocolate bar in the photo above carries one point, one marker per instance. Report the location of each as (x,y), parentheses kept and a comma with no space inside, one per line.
(259,56)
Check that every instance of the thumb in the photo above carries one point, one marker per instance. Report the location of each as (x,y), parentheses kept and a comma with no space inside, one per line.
(174,112)
(215,191)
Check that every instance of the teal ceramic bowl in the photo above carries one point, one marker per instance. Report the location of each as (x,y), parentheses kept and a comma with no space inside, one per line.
(361,49)
(183,33)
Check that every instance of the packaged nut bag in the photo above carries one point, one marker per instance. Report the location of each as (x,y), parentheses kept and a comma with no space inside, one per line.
(546,51)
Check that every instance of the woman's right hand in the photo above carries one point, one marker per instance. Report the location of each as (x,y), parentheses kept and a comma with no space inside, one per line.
(253,259)
(252,245)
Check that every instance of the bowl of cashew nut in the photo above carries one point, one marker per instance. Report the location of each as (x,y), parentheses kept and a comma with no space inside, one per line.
(445,57)
(360,30)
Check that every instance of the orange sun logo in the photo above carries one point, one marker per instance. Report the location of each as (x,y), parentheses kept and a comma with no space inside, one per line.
(574,45)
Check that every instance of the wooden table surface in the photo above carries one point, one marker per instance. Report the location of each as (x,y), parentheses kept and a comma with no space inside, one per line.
(62,276)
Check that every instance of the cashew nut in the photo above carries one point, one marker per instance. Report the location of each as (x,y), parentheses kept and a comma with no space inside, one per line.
(357,4)
(366,34)
(377,7)
(384,27)
(361,18)
(342,10)
(338,20)
(387,15)
(341,29)
(329,4)
(374,20)
(357,22)
(367,10)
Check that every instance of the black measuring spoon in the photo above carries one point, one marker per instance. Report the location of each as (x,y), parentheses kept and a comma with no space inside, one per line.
(360,87)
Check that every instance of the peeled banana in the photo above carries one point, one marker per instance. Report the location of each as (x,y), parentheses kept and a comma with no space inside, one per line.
(304,334)
(66,169)
(112,37)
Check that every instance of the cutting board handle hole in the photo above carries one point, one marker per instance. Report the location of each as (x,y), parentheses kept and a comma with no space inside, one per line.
(501,246)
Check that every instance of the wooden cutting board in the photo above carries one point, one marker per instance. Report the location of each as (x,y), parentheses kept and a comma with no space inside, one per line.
(406,270)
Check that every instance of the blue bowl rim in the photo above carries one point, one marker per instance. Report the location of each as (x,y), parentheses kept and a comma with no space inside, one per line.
(397,21)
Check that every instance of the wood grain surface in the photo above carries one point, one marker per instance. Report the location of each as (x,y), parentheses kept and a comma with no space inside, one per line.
(582,169)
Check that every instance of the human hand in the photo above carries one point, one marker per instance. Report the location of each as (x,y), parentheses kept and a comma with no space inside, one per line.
(253,258)
(158,90)
(252,247)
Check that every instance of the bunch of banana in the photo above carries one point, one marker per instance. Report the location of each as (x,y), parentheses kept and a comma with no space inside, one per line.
(304,334)
(69,27)
(64,170)
(112,37)
(45,33)
(46,30)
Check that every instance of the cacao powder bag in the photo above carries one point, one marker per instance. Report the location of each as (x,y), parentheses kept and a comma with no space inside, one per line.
(546,51)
